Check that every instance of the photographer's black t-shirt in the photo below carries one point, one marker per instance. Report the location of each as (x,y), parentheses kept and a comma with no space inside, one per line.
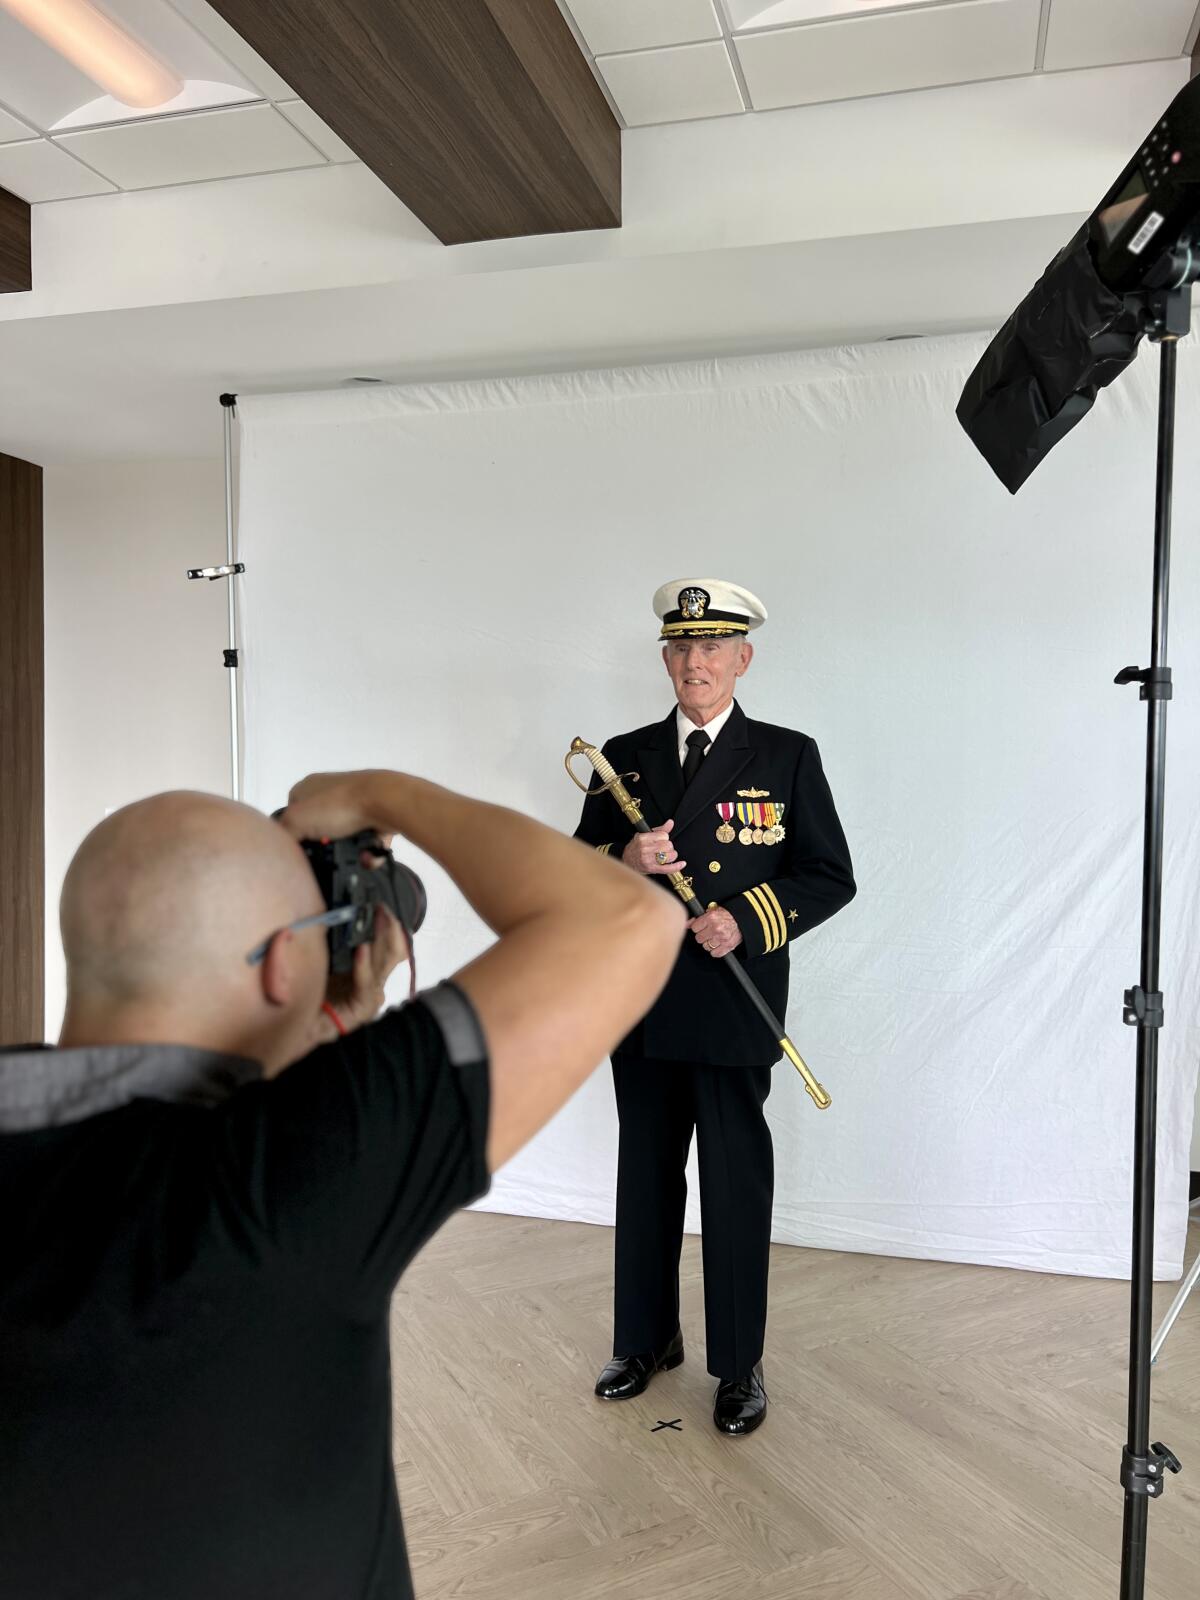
(194,1288)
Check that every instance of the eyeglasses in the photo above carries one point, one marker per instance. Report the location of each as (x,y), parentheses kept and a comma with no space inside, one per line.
(321,919)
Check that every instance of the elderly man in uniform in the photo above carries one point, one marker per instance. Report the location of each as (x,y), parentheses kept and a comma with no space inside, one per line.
(743,807)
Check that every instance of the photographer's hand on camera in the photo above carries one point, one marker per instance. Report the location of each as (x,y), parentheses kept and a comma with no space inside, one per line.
(356,997)
(333,805)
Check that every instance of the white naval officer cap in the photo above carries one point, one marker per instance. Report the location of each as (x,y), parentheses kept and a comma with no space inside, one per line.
(706,608)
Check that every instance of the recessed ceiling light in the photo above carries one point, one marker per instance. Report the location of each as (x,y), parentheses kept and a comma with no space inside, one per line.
(101,49)
(747,14)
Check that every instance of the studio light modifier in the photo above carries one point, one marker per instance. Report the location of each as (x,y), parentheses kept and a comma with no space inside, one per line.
(1081,323)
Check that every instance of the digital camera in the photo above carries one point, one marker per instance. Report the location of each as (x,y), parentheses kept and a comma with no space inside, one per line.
(345,880)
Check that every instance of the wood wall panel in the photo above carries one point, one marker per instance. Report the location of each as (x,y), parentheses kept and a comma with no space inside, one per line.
(16,258)
(481,115)
(22,782)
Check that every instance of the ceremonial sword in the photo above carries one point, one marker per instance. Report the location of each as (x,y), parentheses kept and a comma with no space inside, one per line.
(611,780)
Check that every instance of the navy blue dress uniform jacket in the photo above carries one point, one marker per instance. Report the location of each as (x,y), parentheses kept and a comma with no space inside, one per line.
(775,891)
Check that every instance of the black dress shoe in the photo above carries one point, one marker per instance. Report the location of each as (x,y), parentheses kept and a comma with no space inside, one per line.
(742,1404)
(625,1376)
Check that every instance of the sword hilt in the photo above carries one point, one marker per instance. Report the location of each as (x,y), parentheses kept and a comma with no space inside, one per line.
(610,780)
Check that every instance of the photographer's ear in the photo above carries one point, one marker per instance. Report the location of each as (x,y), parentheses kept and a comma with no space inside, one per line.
(278,969)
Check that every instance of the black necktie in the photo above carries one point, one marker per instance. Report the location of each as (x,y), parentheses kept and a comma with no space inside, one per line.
(697,743)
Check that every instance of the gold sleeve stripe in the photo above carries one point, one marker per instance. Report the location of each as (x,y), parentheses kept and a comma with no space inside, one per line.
(778,925)
(774,899)
(768,932)
(775,910)
(773,931)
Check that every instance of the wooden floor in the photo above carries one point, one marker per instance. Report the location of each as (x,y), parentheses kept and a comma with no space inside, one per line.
(936,1433)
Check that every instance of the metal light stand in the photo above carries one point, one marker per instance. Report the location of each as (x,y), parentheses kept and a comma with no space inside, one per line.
(231,569)
(1144,1465)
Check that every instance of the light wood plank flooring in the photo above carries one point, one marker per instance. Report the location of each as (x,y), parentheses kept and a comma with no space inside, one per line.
(936,1432)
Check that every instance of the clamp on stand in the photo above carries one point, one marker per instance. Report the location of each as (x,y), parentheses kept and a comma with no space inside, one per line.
(231,568)
(1143,1010)
(1155,681)
(1144,1474)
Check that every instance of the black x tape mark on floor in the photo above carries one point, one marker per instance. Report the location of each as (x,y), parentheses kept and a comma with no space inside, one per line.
(677,1425)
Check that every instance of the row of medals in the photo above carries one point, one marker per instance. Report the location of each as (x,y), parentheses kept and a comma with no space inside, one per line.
(774,835)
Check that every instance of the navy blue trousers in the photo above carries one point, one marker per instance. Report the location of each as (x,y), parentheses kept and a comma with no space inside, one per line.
(659,1104)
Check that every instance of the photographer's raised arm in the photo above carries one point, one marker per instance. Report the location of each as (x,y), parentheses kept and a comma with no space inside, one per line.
(584,945)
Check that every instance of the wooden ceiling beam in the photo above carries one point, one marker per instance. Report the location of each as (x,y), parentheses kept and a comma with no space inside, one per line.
(16,256)
(481,115)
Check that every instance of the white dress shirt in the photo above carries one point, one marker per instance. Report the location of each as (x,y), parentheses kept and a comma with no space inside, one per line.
(684,725)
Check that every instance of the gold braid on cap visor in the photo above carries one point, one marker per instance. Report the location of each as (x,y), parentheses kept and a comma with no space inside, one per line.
(673,630)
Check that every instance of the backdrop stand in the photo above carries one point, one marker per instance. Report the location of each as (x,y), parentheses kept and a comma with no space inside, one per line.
(231,569)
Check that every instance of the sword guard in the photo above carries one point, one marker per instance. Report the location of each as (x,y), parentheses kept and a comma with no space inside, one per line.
(580,748)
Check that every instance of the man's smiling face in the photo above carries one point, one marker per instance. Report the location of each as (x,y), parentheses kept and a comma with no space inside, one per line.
(705,673)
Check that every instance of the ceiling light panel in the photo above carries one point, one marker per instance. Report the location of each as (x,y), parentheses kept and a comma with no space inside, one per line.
(611,25)
(209,144)
(747,14)
(676,85)
(101,49)
(922,48)
(41,171)
(1084,34)
(43,87)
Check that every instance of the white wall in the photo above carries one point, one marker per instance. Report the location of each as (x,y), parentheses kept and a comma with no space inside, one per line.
(136,694)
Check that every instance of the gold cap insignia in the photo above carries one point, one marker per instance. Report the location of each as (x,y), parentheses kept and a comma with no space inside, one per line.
(693,603)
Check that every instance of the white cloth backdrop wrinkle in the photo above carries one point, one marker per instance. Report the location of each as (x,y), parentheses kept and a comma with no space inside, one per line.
(456,579)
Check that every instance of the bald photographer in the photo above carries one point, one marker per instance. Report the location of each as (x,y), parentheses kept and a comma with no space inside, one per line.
(211,1187)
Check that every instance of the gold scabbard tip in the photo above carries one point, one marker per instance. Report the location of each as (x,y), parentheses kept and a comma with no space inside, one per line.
(820,1097)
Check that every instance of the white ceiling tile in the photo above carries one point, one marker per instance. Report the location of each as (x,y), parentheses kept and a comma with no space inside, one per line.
(322,135)
(613,25)
(210,144)
(880,54)
(234,48)
(11,129)
(1088,33)
(40,171)
(677,85)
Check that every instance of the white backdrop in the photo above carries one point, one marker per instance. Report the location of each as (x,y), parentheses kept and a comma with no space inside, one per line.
(456,579)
